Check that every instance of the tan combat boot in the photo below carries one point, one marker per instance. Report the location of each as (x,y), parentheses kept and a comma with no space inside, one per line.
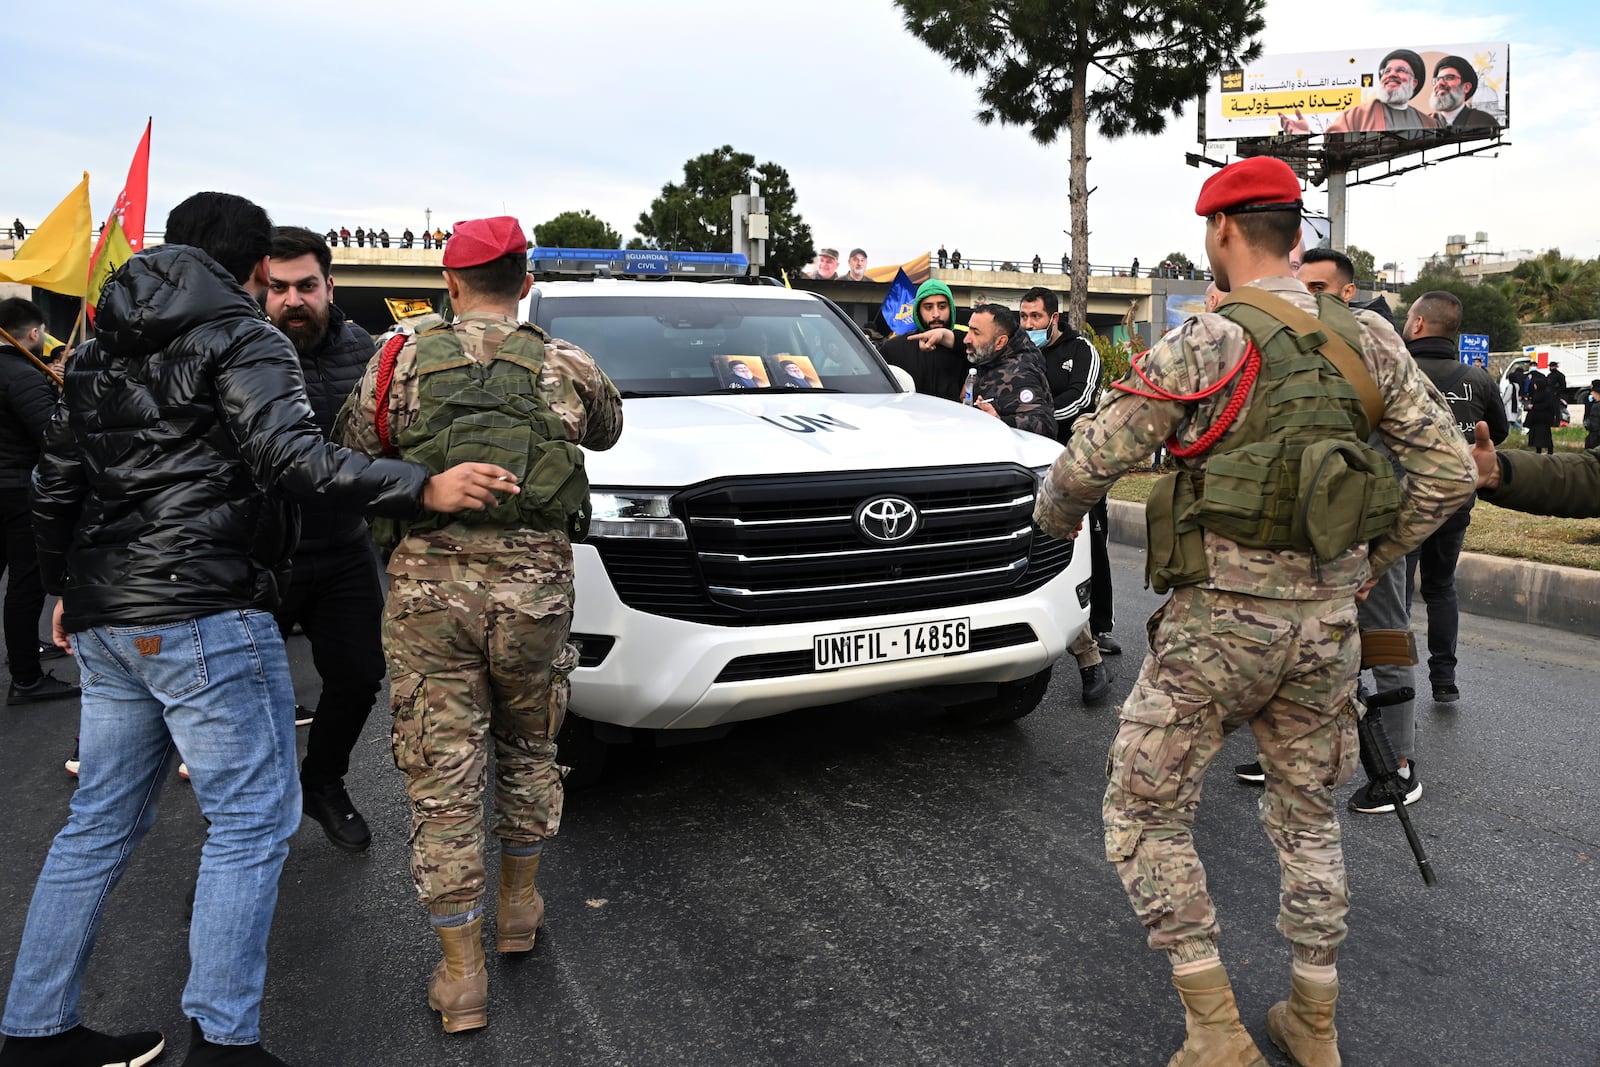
(521,910)
(459,989)
(1302,1026)
(1216,1036)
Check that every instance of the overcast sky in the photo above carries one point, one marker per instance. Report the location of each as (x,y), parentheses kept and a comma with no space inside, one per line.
(365,113)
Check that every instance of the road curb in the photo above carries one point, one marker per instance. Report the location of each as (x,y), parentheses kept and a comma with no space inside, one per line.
(1513,589)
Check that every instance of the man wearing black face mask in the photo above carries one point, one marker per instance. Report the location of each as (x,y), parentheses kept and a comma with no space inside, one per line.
(334,592)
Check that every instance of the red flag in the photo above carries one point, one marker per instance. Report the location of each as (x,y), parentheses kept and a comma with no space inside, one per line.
(127,216)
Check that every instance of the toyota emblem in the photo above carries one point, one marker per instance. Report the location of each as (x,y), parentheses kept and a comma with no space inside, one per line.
(887,520)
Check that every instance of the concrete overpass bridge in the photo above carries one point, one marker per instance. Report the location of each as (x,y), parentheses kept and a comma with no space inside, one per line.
(364,277)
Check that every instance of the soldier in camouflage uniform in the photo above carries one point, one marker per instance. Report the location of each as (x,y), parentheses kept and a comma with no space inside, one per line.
(1264,636)
(476,624)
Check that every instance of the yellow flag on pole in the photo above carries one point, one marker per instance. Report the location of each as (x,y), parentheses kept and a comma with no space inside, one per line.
(114,252)
(56,255)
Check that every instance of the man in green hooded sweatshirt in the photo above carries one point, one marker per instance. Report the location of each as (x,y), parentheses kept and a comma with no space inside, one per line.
(935,355)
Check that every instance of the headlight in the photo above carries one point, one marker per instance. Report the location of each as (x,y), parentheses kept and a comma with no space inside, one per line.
(625,513)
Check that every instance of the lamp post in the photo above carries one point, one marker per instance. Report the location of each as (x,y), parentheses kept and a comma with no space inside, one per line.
(427,217)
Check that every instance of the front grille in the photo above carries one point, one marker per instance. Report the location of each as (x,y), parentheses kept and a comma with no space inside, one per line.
(771,550)
(787,664)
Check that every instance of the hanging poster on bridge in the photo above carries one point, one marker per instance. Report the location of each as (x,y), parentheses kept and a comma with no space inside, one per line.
(1421,92)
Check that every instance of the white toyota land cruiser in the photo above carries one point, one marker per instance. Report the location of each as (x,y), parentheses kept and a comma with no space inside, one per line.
(784,524)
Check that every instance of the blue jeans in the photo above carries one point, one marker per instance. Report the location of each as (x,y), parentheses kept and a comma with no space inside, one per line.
(1436,558)
(215,690)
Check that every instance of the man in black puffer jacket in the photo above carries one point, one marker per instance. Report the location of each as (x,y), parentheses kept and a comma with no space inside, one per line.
(163,513)
(27,396)
(334,591)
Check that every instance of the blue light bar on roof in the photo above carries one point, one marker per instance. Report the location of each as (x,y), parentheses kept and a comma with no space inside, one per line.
(585,261)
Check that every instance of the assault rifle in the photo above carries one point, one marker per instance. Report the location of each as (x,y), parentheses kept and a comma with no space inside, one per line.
(1380,647)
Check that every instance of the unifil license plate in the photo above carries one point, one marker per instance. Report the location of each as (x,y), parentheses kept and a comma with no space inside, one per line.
(854,648)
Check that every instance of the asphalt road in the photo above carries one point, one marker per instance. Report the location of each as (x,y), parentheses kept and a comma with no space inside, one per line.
(865,885)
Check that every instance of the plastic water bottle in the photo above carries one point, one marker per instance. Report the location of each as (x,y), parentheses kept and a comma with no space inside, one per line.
(969,390)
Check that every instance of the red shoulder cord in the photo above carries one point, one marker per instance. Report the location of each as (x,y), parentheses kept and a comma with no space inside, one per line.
(1246,370)
(386,362)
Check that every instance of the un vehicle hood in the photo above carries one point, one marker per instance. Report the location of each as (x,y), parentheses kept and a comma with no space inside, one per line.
(671,442)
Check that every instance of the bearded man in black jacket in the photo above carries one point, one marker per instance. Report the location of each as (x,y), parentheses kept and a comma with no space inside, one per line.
(163,511)
(334,593)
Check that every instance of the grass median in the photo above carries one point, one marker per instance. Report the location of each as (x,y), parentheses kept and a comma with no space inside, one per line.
(1494,531)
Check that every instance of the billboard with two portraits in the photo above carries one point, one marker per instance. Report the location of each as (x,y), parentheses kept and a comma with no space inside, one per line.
(1423,93)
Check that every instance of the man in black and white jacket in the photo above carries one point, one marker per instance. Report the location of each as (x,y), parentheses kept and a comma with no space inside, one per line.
(1073,367)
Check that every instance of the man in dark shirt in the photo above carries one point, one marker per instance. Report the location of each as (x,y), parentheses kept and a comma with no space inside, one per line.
(1431,330)
(27,397)
(933,354)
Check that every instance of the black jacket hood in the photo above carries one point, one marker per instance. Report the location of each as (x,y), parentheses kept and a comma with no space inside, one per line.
(161,294)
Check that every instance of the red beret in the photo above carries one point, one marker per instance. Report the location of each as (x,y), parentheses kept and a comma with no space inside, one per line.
(1259,183)
(478,241)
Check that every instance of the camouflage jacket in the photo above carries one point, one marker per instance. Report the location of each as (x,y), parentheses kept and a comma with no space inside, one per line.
(1416,426)
(575,388)
(1015,381)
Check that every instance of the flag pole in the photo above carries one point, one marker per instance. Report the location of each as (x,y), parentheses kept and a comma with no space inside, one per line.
(77,327)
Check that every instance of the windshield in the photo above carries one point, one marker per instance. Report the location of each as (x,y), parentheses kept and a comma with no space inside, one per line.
(688,346)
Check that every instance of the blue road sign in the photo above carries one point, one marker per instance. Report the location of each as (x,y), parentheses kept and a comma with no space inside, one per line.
(1475,349)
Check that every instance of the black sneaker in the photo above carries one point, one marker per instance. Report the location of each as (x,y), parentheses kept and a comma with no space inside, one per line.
(303,715)
(1250,772)
(49,650)
(330,806)
(203,1053)
(48,687)
(1096,683)
(1108,645)
(72,761)
(1369,801)
(82,1047)
(1445,693)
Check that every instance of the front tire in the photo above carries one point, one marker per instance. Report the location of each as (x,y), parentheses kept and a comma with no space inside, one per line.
(1011,701)
(581,753)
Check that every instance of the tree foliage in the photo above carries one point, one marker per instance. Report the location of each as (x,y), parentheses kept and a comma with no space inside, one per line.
(576,229)
(697,214)
(1054,65)
(1554,288)
(1365,264)
(1484,309)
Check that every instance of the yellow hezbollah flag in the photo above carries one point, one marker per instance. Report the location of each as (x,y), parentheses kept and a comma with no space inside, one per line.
(56,255)
(114,252)
(403,308)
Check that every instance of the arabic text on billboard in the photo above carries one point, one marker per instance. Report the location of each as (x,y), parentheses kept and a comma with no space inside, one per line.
(1460,90)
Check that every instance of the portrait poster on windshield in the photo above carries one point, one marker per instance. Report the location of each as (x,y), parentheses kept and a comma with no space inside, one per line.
(1425,92)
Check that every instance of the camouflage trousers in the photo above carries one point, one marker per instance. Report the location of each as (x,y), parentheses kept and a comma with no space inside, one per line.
(470,662)
(1220,660)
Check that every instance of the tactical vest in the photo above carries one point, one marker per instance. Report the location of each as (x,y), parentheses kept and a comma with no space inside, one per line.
(1297,473)
(492,412)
